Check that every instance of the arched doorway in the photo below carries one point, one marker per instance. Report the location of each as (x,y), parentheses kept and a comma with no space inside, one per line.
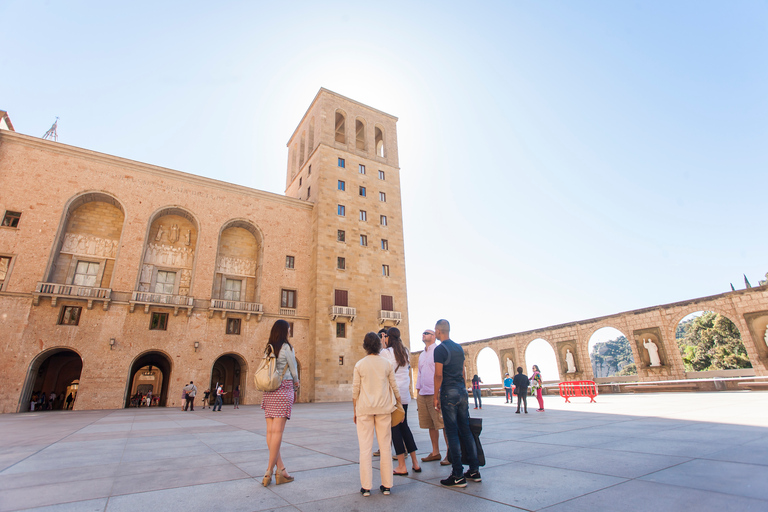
(56,371)
(149,369)
(488,366)
(540,353)
(229,370)
(611,354)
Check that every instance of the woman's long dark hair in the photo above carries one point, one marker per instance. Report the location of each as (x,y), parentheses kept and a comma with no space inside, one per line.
(278,336)
(396,344)
(475,378)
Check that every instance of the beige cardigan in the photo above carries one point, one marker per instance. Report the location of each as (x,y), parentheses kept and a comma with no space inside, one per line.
(373,386)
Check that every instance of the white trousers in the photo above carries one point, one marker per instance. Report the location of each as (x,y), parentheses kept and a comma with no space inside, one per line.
(366,425)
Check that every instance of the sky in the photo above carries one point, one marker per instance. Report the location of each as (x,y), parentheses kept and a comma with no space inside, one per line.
(559,160)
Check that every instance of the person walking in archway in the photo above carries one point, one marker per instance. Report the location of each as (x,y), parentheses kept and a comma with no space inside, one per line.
(219,397)
(69,401)
(236,396)
(476,391)
(537,383)
(277,404)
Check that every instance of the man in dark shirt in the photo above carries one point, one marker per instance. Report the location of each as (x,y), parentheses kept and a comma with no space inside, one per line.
(521,383)
(451,396)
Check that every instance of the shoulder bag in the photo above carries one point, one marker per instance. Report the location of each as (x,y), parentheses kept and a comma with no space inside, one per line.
(266,377)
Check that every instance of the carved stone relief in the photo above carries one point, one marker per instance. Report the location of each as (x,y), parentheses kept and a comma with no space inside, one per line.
(169,256)
(236,266)
(89,245)
(186,279)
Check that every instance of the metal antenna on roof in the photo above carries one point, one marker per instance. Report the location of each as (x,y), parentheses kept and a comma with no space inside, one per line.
(51,133)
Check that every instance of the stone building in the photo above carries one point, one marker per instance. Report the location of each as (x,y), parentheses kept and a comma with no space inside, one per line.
(118,276)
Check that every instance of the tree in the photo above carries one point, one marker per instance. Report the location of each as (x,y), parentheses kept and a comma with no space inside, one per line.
(711,342)
(612,357)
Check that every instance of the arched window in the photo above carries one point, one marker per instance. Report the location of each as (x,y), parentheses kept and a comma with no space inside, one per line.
(311,144)
(341,127)
(360,135)
(379,141)
(301,150)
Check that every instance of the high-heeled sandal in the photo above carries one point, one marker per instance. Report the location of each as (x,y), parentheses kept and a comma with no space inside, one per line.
(268,479)
(280,478)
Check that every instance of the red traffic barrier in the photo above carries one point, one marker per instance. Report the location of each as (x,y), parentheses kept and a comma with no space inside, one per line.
(578,388)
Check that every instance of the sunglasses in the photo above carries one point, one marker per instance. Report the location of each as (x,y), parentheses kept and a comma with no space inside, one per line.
(427,334)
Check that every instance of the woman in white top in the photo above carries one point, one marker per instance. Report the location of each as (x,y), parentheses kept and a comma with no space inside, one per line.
(399,357)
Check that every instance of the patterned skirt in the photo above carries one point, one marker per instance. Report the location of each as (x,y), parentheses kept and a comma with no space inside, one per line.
(277,403)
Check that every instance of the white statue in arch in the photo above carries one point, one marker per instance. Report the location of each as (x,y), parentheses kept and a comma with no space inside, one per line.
(510,367)
(766,330)
(160,231)
(653,352)
(569,361)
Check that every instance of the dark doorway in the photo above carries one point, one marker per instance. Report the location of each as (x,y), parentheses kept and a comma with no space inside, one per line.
(149,370)
(229,370)
(54,372)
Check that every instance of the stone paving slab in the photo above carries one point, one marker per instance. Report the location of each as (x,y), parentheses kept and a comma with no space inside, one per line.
(660,452)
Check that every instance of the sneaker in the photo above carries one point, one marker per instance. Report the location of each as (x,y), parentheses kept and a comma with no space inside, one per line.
(376,453)
(384,490)
(453,481)
(473,475)
(365,492)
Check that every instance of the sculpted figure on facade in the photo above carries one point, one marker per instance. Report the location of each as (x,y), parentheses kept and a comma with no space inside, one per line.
(569,361)
(174,235)
(653,352)
(146,274)
(510,367)
(236,266)
(188,237)
(160,232)
(766,331)
(89,245)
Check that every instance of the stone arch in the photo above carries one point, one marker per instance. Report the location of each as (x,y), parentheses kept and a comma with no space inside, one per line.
(80,237)
(340,127)
(487,366)
(302,149)
(170,247)
(543,353)
(378,140)
(738,359)
(230,369)
(614,354)
(242,262)
(70,363)
(360,140)
(157,359)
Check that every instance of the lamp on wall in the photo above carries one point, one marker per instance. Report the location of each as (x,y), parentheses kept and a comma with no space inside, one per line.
(197,345)
(111,343)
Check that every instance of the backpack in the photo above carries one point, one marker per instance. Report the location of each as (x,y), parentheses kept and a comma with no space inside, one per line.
(266,377)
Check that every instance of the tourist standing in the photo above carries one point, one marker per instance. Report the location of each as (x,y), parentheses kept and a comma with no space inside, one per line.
(183,398)
(236,397)
(149,398)
(429,417)
(277,404)
(521,383)
(451,397)
(206,397)
(219,397)
(476,391)
(507,388)
(399,357)
(537,383)
(191,390)
(374,397)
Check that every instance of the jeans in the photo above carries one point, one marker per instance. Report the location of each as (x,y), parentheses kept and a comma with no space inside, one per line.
(476,396)
(218,403)
(508,394)
(190,403)
(454,403)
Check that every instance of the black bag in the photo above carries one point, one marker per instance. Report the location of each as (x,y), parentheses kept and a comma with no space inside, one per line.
(475,426)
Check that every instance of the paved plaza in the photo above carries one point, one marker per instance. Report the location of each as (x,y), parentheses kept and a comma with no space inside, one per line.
(645,452)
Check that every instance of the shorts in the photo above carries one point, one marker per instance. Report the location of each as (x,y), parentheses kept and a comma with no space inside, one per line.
(428,416)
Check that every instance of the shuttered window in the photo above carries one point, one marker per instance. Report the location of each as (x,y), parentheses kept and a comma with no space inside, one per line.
(341,298)
(387,304)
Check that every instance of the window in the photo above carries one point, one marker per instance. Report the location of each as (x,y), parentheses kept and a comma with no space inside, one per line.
(288,299)
(233,326)
(232,289)
(359,135)
(341,330)
(341,135)
(364,240)
(383,197)
(309,192)
(290,261)
(290,329)
(299,181)
(362,191)
(165,281)
(5,266)
(383,220)
(70,315)
(379,141)
(11,219)
(361,168)
(341,263)
(86,273)
(341,298)
(341,235)
(341,211)
(384,244)
(309,170)
(342,186)
(158,322)
(341,163)
(381,175)
(363,215)
(385,270)
(387,304)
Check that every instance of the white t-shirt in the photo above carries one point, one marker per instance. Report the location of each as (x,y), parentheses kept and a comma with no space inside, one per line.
(402,374)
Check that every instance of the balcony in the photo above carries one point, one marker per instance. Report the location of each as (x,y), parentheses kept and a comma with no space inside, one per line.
(390,316)
(234,306)
(287,311)
(343,312)
(72,291)
(162,299)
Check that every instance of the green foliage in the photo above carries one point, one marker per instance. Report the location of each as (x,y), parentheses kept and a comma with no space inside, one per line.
(711,342)
(612,357)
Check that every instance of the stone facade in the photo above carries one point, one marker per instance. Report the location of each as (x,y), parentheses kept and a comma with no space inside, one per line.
(126,266)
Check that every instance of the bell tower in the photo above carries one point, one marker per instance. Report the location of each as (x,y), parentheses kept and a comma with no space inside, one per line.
(343,158)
